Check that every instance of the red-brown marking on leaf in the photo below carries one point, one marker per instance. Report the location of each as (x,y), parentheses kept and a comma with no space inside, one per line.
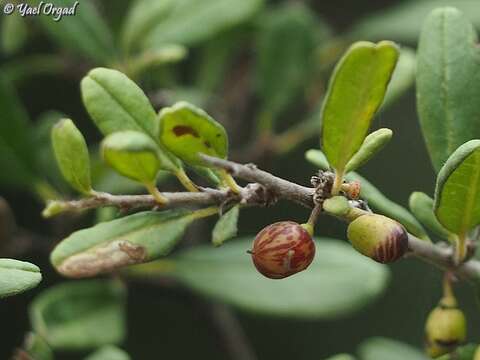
(181,130)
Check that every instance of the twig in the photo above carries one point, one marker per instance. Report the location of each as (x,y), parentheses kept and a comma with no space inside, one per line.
(263,190)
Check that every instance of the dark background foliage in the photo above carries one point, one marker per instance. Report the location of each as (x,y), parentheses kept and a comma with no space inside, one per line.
(168,321)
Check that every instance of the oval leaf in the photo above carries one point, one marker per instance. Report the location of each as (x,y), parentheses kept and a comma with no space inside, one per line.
(448,83)
(17,276)
(116,103)
(387,207)
(186,131)
(372,144)
(421,205)
(191,21)
(226,226)
(336,284)
(129,240)
(84,33)
(109,353)
(457,194)
(356,90)
(72,155)
(132,154)
(80,315)
(382,349)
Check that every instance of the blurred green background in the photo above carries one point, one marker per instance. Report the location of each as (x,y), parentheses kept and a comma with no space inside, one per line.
(168,321)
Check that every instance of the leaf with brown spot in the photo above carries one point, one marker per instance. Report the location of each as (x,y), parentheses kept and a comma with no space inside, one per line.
(186,131)
(129,240)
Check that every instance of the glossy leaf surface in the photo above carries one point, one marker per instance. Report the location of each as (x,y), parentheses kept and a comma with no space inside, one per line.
(457,194)
(356,90)
(448,81)
(72,155)
(129,240)
(132,154)
(17,276)
(186,131)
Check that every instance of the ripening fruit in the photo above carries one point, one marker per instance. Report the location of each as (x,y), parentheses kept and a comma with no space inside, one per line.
(378,237)
(445,328)
(282,249)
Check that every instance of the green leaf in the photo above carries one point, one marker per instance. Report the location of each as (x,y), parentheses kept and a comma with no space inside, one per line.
(285,46)
(85,33)
(13,33)
(372,144)
(35,346)
(317,158)
(16,153)
(421,205)
(116,103)
(186,131)
(132,154)
(457,194)
(191,21)
(403,77)
(466,352)
(17,276)
(381,349)
(141,19)
(108,353)
(72,156)
(448,82)
(387,207)
(341,357)
(403,22)
(80,315)
(337,283)
(129,240)
(226,226)
(356,90)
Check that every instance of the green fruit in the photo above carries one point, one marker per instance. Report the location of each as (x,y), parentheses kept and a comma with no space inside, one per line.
(445,328)
(378,237)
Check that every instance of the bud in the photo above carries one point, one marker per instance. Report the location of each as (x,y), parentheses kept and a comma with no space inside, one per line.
(445,328)
(378,237)
(282,249)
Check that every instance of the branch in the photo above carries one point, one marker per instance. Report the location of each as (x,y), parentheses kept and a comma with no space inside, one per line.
(263,190)
(434,254)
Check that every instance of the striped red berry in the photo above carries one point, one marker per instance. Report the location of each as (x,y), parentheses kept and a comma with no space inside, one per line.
(282,249)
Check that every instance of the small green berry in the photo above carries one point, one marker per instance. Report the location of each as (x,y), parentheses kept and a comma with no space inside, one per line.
(378,237)
(445,328)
